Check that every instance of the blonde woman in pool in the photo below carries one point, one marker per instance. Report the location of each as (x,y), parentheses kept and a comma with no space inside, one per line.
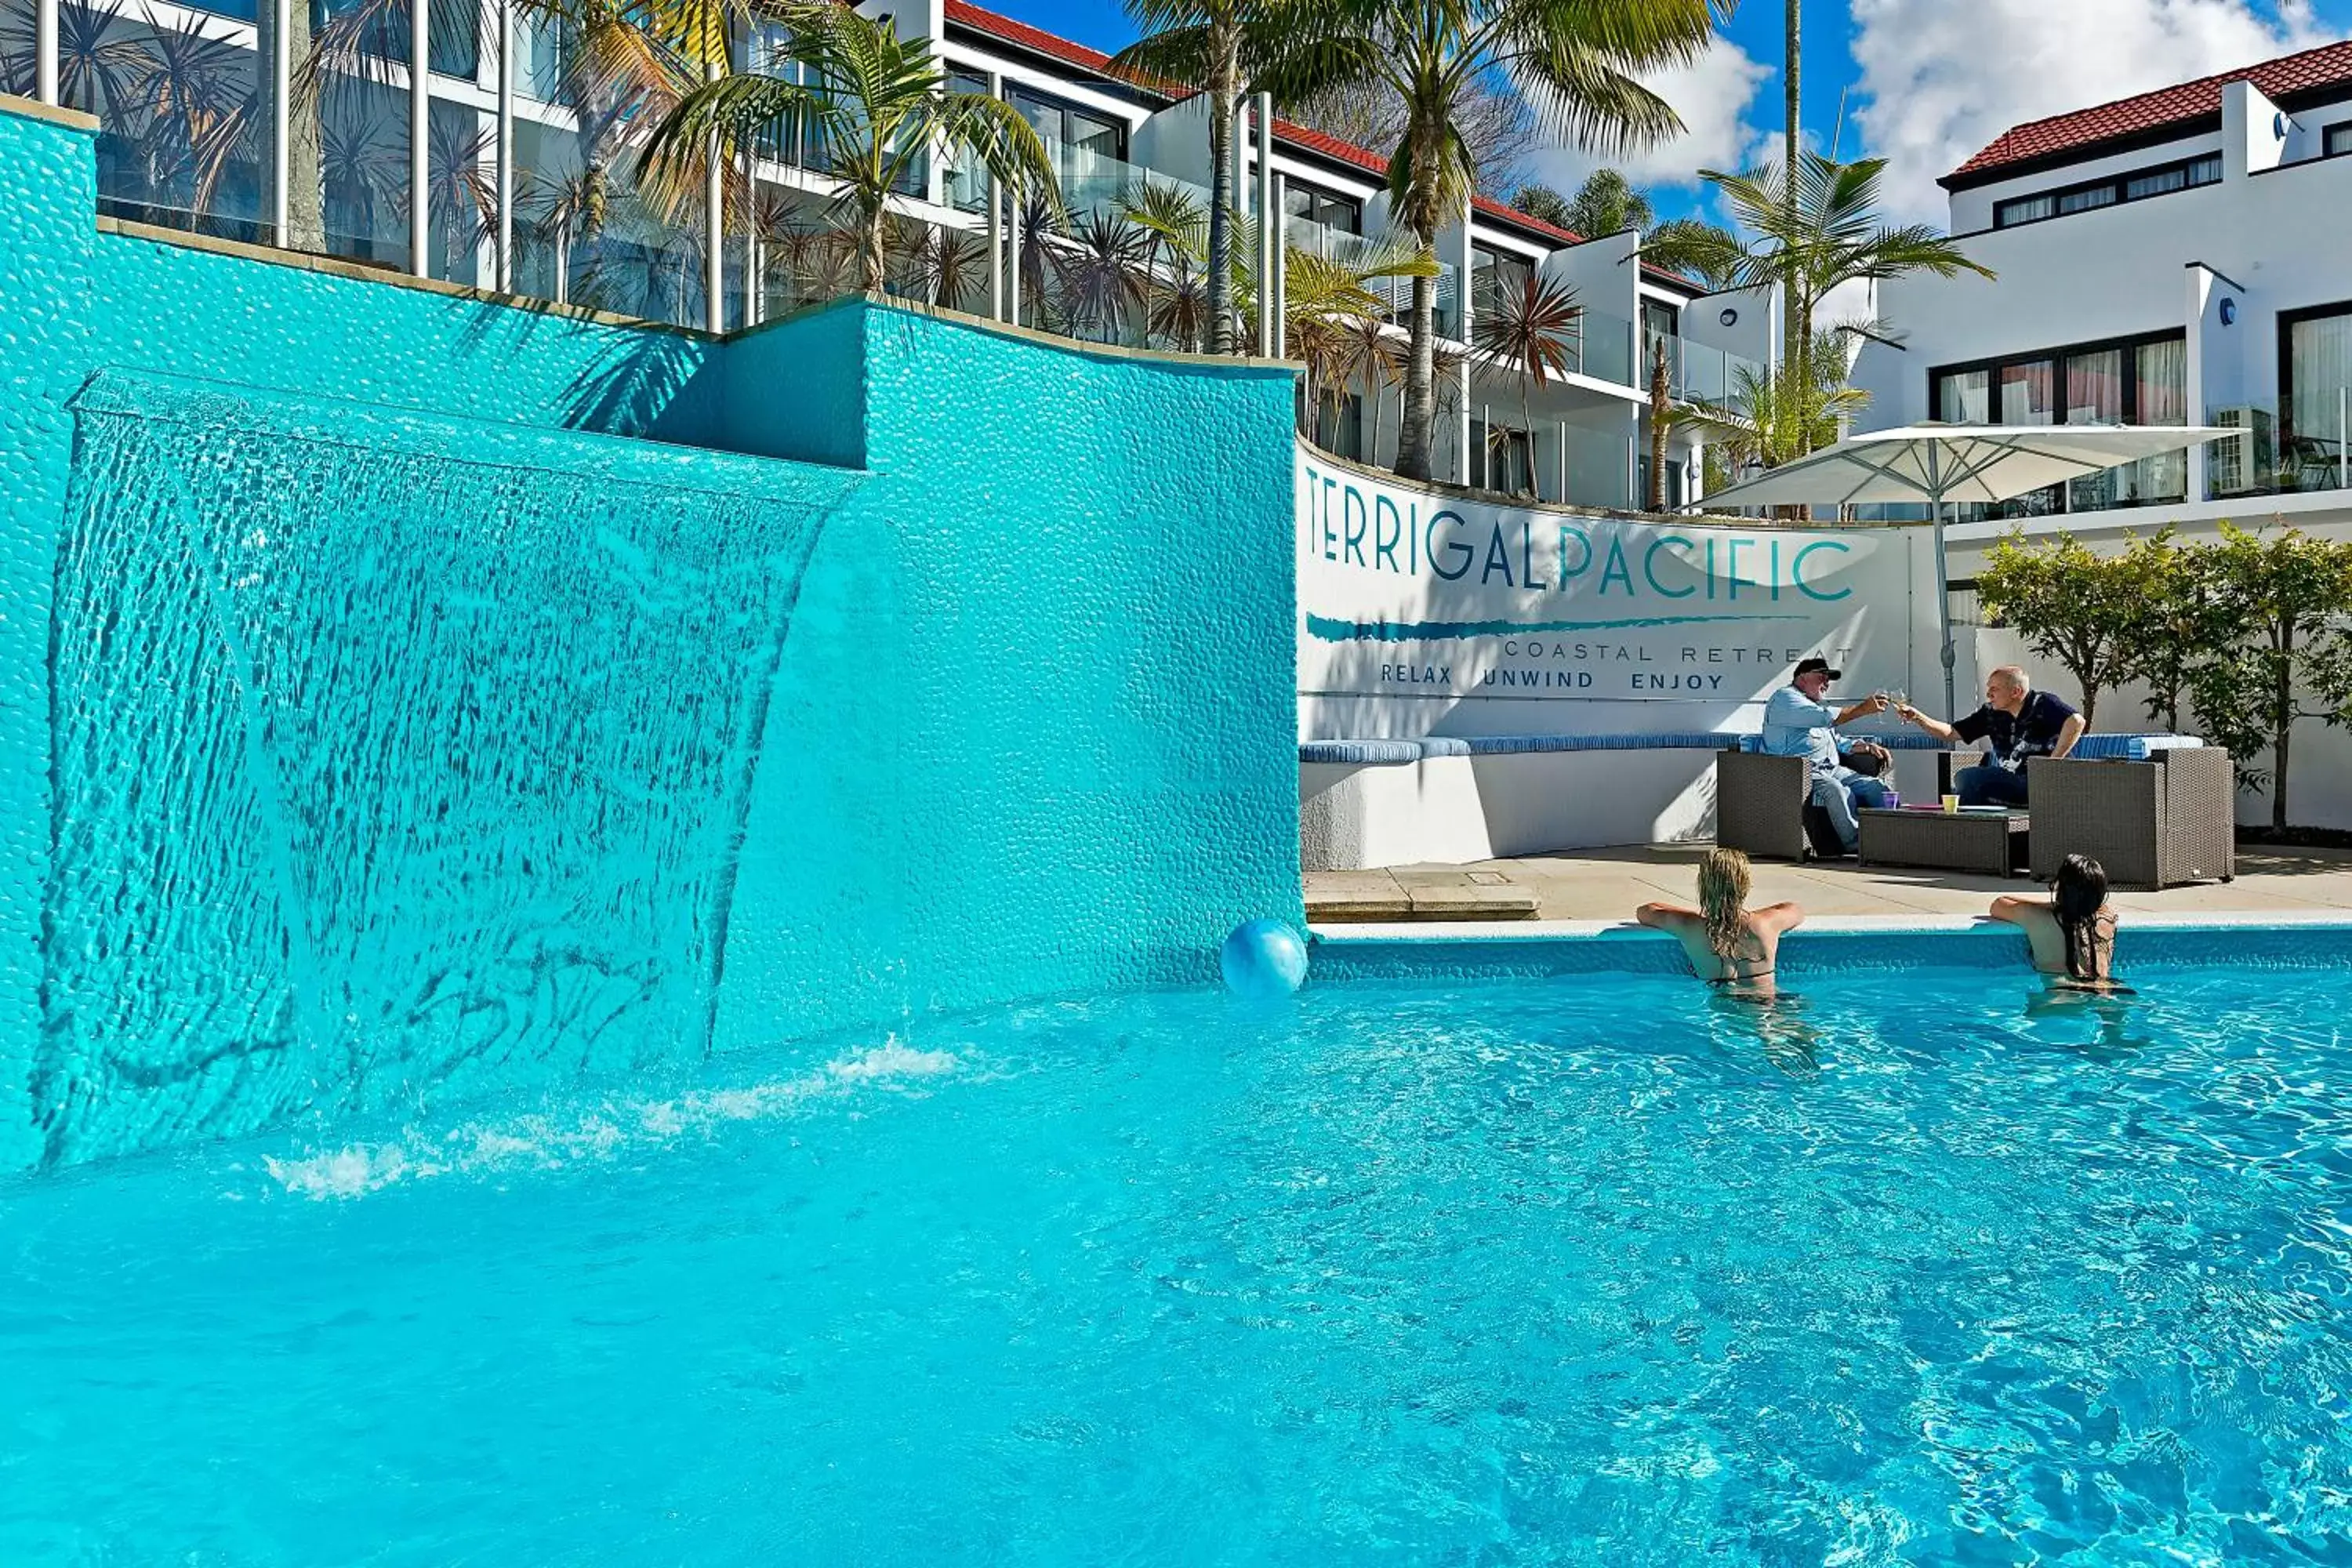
(1729,944)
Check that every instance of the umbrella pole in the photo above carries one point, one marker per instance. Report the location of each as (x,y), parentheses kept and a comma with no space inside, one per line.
(1944,616)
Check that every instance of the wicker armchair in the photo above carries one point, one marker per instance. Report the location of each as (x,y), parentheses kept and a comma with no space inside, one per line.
(1763,805)
(2153,823)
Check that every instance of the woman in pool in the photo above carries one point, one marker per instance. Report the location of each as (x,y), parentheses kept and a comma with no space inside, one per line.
(1729,944)
(2073,932)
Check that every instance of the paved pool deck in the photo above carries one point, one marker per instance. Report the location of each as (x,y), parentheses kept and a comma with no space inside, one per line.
(1587,887)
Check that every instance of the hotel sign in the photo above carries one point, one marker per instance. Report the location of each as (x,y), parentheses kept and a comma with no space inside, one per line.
(1416,593)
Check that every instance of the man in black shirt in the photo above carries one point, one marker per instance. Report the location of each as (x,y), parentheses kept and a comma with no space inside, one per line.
(2017,722)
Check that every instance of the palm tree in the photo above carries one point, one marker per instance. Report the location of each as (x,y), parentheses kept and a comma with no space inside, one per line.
(1371,358)
(1778,416)
(878,106)
(1607,204)
(1691,246)
(1217,47)
(1534,329)
(1578,62)
(1829,236)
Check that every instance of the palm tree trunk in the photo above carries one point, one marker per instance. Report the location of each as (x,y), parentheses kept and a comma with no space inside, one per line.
(2283,705)
(1797,340)
(1224,87)
(1660,395)
(1414,426)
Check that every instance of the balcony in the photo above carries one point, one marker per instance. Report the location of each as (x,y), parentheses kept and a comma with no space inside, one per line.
(1092,183)
(1357,250)
(1697,373)
(2304,448)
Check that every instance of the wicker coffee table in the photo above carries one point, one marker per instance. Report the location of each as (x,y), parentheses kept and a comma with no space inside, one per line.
(1990,842)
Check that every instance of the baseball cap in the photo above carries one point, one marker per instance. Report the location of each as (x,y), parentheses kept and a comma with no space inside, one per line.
(1807,667)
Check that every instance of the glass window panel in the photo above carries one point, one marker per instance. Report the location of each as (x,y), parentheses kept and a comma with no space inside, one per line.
(2094,395)
(2163,378)
(178,143)
(2022,209)
(2318,375)
(1965,398)
(2206,171)
(2086,198)
(1095,137)
(2095,387)
(2339,139)
(2027,394)
(2156,184)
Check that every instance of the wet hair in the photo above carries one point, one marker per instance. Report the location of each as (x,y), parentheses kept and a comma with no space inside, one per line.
(2077,895)
(1723,883)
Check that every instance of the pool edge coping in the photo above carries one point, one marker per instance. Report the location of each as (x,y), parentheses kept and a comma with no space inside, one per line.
(1414,934)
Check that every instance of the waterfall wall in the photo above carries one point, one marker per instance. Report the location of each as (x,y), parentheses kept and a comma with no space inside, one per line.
(382,712)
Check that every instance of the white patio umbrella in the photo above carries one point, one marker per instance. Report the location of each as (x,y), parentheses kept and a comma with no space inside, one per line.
(1956,463)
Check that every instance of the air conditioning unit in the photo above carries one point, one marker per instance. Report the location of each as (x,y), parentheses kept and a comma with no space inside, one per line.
(2238,465)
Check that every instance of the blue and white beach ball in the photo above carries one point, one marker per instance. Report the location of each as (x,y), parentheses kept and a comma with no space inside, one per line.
(1263,959)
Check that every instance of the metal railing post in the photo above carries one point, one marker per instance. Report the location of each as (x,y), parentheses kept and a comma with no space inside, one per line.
(714,224)
(280,66)
(44,51)
(420,115)
(755,300)
(1269,237)
(505,261)
(996,221)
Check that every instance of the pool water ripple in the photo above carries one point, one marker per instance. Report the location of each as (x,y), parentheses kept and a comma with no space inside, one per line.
(1918,1268)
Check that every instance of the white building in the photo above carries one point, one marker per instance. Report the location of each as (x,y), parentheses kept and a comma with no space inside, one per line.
(2180,256)
(2176,257)
(527,191)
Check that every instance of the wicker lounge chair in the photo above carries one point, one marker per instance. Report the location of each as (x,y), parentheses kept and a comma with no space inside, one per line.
(2169,819)
(1763,805)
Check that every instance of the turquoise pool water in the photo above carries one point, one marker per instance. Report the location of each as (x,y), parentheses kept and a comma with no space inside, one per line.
(1579,1271)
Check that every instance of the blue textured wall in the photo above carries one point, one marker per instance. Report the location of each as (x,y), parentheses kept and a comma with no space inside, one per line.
(1030,728)
(285,328)
(1032,720)
(48,188)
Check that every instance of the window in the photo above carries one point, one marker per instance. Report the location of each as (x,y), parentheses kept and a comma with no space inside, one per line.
(1496,275)
(1508,458)
(2315,394)
(2134,381)
(1344,214)
(1339,430)
(2023,209)
(2337,140)
(1080,139)
(1964,398)
(2137,186)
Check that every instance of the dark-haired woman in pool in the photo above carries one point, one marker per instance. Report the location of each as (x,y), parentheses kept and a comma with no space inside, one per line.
(2073,933)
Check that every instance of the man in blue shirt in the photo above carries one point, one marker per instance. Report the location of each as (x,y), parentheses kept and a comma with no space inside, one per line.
(1798,724)
(2018,723)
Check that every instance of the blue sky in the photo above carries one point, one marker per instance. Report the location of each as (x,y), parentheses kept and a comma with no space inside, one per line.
(1923,82)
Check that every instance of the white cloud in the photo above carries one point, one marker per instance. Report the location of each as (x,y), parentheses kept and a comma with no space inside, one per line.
(1712,95)
(1940,80)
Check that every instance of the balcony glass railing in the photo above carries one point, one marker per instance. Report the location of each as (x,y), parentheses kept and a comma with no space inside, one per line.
(1697,372)
(1605,351)
(1091,182)
(1359,251)
(2305,445)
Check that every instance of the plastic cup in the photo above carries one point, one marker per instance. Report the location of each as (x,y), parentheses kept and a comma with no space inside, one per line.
(1951,806)
(1893,802)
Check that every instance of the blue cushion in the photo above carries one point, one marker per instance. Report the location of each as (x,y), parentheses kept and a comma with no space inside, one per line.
(1444,746)
(1361,753)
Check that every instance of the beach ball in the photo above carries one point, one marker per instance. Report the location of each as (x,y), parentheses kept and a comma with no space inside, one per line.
(1264,958)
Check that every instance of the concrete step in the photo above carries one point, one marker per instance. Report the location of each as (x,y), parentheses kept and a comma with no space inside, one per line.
(1338,896)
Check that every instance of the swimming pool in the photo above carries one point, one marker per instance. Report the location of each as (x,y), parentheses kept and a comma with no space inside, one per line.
(1927,1269)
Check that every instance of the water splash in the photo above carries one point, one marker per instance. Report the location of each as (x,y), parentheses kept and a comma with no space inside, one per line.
(603,1131)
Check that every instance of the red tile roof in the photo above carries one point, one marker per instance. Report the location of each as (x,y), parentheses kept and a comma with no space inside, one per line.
(1020,35)
(2178,108)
